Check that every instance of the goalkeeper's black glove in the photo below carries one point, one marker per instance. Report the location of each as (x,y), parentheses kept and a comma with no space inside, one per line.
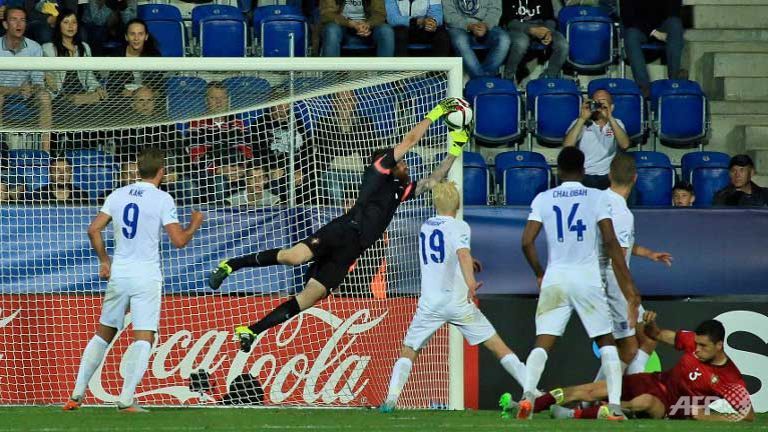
(445,106)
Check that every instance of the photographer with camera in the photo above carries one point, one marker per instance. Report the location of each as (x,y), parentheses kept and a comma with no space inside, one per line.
(596,132)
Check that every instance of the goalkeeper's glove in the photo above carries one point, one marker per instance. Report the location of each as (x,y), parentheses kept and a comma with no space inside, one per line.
(459,137)
(447,105)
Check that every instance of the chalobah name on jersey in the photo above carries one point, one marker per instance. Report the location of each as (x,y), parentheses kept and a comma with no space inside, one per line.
(568,193)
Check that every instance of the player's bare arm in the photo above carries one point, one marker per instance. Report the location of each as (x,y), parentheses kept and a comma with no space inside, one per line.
(615,252)
(179,236)
(437,175)
(414,135)
(653,331)
(97,242)
(467,265)
(530,233)
(652,255)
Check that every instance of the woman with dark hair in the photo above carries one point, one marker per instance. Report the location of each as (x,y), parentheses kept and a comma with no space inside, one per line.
(71,88)
(139,43)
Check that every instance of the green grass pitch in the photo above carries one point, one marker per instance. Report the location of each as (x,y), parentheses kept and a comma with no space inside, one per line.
(52,419)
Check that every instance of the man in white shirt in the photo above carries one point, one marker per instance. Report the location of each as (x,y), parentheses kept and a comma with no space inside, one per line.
(623,176)
(138,213)
(574,217)
(597,133)
(448,289)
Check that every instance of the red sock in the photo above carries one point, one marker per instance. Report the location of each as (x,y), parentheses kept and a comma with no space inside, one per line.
(587,413)
(543,402)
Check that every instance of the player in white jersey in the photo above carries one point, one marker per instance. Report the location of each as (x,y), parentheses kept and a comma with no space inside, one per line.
(572,216)
(138,213)
(623,175)
(448,289)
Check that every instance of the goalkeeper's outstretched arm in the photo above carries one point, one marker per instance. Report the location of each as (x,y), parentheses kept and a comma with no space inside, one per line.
(414,135)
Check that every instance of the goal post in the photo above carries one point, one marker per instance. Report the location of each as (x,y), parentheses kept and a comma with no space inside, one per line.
(277,160)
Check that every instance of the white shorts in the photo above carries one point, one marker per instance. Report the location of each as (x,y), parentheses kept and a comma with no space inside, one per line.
(618,306)
(467,318)
(564,293)
(139,295)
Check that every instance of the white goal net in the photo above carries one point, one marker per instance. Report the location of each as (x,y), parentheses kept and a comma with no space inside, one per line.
(269,152)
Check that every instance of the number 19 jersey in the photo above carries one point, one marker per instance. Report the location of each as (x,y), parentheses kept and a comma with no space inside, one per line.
(570,213)
(442,283)
(139,212)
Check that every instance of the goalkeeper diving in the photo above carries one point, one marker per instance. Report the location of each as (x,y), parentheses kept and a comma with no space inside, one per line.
(336,246)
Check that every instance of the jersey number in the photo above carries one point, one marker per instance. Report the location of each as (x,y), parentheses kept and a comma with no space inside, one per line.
(578,228)
(130,220)
(436,246)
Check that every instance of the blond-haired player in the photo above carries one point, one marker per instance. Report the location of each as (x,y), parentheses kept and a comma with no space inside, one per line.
(448,289)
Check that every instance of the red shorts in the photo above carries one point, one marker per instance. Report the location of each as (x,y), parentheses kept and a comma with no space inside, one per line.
(635,385)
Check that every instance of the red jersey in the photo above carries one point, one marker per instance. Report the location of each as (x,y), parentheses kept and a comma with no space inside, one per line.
(691,377)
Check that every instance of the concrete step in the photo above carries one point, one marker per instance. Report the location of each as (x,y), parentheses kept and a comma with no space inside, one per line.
(738,108)
(756,137)
(760,158)
(737,64)
(744,89)
(730,16)
(700,46)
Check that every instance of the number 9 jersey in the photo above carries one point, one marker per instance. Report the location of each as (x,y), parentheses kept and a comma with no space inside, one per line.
(442,283)
(139,212)
(570,213)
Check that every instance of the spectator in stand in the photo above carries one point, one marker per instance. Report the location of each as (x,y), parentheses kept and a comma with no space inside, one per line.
(272,147)
(597,133)
(646,20)
(418,21)
(72,90)
(345,130)
(218,135)
(255,194)
(468,20)
(105,19)
(533,20)
(41,19)
(683,195)
(23,85)
(742,192)
(365,19)
(60,189)
(139,43)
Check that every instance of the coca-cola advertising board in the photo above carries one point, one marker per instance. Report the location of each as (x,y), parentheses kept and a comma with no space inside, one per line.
(338,354)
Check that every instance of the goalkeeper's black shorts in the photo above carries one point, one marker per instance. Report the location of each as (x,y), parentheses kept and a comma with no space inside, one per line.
(336,247)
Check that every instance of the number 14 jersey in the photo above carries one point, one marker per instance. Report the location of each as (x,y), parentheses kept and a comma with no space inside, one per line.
(570,213)
(442,283)
(139,212)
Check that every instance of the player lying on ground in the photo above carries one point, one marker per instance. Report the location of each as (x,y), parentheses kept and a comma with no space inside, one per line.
(138,213)
(574,218)
(623,175)
(448,289)
(337,245)
(703,374)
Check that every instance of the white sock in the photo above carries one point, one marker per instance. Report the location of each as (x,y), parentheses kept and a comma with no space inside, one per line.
(534,366)
(514,367)
(92,357)
(638,363)
(612,369)
(135,369)
(600,374)
(400,372)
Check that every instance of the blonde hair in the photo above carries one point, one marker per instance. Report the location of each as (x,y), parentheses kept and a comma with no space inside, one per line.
(445,197)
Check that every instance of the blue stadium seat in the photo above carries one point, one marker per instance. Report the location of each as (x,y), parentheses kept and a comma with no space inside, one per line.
(476,187)
(496,105)
(417,169)
(378,102)
(93,171)
(186,97)
(221,30)
(423,94)
(165,24)
(276,34)
(708,172)
(521,175)
(655,178)
(17,109)
(244,91)
(28,168)
(589,31)
(552,105)
(629,106)
(679,109)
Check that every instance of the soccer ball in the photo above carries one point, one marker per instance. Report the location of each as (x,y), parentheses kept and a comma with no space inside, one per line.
(460,118)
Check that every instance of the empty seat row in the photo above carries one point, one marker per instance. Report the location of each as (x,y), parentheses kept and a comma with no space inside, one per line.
(223,31)
(521,175)
(678,109)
